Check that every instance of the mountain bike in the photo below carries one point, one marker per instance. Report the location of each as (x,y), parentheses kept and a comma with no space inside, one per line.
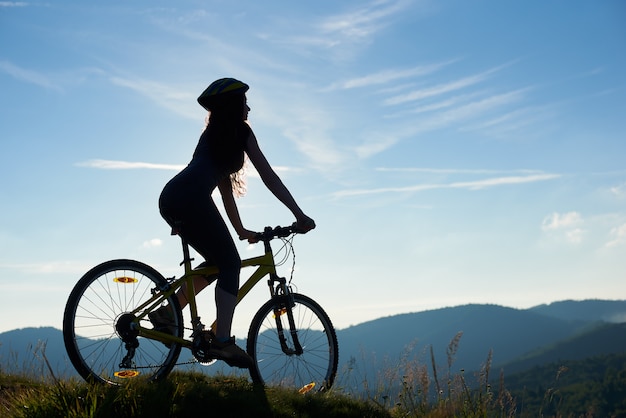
(109,337)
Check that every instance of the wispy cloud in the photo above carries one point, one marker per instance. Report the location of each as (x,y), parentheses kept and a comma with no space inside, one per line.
(13,4)
(152,243)
(619,191)
(128,165)
(309,127)
(136,165)
(605,231)
(51,267)
(363,22)
(441,88)
(318,148)
(515,122)
(375,143)
(453,170)
(165,95)
(390,75)
(508,119)
(28,76)
(342,32)
(618,236)
(557,221)
(460,103)
(446,103)
(468,185)
(474,109)
(567,225)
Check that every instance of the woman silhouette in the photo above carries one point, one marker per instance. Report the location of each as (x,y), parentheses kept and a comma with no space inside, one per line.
(186,203)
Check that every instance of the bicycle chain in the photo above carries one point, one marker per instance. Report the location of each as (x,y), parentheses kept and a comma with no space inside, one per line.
(175,364)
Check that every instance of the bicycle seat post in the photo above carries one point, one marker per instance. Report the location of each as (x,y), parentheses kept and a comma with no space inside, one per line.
(186,257)
(191,292)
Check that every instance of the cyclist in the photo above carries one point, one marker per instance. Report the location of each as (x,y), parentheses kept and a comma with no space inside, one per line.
(186,204)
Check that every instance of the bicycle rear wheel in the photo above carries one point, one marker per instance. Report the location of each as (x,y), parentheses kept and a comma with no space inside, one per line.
(96,311)
(277,365)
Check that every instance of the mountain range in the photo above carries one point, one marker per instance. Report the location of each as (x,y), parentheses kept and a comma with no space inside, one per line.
(510,334)
(462,337)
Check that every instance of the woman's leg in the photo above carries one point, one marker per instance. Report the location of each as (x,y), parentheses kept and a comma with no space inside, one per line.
(225,303)
(206,231)
(199,283)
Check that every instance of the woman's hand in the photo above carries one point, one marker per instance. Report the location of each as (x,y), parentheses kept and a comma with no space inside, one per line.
(248,235)
(304,224)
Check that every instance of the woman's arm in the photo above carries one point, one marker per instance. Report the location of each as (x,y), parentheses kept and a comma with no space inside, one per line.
(274,183)
(226,190)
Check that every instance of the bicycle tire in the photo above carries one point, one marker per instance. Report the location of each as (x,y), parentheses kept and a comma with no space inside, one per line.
(98,300)
(315,369)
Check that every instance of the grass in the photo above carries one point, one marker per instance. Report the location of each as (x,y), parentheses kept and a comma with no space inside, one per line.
(403,387)
(409,387)
(181,395)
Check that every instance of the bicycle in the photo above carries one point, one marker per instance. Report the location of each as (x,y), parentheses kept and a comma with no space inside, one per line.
(109,337)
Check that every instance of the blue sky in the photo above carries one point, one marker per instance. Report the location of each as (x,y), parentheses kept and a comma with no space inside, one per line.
(451,152)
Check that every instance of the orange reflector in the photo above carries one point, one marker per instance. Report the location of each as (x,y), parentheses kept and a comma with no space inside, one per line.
(125,279)
(280,312)
(306,388)
(126,374)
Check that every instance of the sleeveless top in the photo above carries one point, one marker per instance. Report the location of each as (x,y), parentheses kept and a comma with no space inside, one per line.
(195,183)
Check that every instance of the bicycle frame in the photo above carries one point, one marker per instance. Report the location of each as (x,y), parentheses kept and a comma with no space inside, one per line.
(265,266)
(291,340)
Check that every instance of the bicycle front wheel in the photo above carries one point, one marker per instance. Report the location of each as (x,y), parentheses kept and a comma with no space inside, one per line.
(280,363)
(100,309)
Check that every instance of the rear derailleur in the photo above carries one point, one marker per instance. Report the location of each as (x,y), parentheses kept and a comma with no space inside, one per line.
(128,334)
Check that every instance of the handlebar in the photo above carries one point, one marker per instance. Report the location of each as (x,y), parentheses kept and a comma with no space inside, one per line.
(270,233)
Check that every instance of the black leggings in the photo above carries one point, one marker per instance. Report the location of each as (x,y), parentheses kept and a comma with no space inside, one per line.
(201,224)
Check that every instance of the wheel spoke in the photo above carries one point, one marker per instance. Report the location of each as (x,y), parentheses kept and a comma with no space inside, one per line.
(98,301)
(315,368)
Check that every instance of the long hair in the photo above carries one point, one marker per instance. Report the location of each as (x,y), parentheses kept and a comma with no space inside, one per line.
(228,135)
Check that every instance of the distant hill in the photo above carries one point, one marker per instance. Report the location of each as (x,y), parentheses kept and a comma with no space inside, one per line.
(509,333)
(587,310)
(23,350)
(571,388)
(519,339)
(598,341)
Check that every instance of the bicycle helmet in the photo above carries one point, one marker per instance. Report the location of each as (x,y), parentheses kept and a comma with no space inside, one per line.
(219,88)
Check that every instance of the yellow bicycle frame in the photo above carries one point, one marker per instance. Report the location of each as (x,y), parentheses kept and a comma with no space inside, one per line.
(265,266)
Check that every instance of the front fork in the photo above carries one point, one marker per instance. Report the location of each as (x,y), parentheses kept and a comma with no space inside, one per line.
(284,304)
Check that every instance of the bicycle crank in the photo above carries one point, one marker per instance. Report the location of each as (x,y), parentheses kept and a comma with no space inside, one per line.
(201,347)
